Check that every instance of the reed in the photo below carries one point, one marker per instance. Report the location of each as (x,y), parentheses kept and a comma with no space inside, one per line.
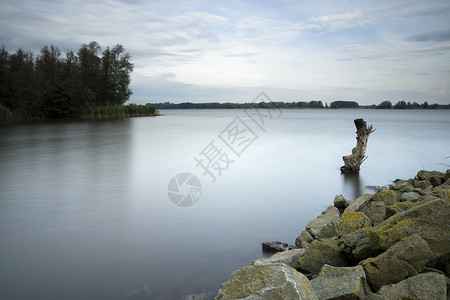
(119,111)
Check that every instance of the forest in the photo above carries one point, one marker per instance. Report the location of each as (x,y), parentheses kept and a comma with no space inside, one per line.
(89,83)
(300,104)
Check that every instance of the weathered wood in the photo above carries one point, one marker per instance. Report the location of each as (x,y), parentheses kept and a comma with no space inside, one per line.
(352,162)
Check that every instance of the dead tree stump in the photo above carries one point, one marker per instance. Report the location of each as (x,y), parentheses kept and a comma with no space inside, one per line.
(353,162)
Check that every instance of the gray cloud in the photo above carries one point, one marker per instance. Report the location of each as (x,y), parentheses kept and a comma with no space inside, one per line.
(435,36)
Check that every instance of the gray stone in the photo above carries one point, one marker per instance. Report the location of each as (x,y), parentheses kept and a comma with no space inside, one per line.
(406,258)
(304,239)
(376,211)
(340,203)
(421,286)
(325,225)
(289,257)
(374,296)
(273,281)
(274,246)
(398,207)
(422,184)
(352,221)
(340,283)
(435,177)
(320,253)
(359,203)
(409,196)
(430,220)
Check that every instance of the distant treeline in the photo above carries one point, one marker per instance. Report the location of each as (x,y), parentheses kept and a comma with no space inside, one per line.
(287,105)
(52,85)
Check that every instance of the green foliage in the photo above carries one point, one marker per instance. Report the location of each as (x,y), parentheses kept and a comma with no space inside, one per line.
(119,111)
(344,104)
(52,85)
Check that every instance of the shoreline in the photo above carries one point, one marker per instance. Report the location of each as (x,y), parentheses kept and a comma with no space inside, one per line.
(394,244)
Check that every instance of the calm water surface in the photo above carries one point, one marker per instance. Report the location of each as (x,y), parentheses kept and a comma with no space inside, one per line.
(84,210)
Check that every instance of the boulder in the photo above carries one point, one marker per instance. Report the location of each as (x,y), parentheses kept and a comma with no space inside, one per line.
(398,207)
(421,286)
(374,296)
(359,203)
(430,220)
(388,197)
(304,239)
(340,203)
(441,193)
(434,177)
(274,246)
(404,186)
(320,253)
(376,211)
(404,259)
(351,221)
(289,257)
(325,225)
(273,281)
(360,244)
(340,283)
(422,184)
(409,196)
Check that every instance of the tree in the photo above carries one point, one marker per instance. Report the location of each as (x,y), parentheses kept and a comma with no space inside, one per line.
(400,105)
(385,105)
(425,105)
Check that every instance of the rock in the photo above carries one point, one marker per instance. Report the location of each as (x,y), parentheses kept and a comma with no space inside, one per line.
(422,184)
(421,286)
(360,244)
(325,225)
(320,253)
(274,281)
(405,186)
(340,203)
(373,296)
(434,177)
(274,246)
(409,196)
(441,193)
(398,207)
(351,221)
(406,258)
(389,197)
(376,211)
(340,283)
(289,257)
(359,203)
(304,239)
(202,296)
(430,220)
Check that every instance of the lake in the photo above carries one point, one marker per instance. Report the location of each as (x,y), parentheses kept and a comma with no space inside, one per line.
(85,211)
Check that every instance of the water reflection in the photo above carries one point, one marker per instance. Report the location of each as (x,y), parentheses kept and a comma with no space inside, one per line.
(352,185)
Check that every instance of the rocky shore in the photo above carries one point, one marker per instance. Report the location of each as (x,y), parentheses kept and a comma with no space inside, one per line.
(394,244)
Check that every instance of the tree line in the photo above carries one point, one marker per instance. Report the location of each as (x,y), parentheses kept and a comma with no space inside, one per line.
(52,85)
(287,105)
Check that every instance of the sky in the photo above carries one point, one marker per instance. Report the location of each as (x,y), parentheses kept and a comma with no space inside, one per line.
(230,51)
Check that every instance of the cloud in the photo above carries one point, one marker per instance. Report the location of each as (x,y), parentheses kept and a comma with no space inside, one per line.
(435,36)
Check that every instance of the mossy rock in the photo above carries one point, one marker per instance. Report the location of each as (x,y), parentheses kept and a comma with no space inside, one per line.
(398,207)
(351,221)
(273,281)
(430,220)
(320,253)
(435,177)
(406,258)
(389,197)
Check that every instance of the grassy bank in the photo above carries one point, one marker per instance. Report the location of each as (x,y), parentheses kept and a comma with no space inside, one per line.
(95,112)
(119,111)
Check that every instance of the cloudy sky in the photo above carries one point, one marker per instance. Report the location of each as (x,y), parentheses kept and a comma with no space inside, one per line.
(194,50)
